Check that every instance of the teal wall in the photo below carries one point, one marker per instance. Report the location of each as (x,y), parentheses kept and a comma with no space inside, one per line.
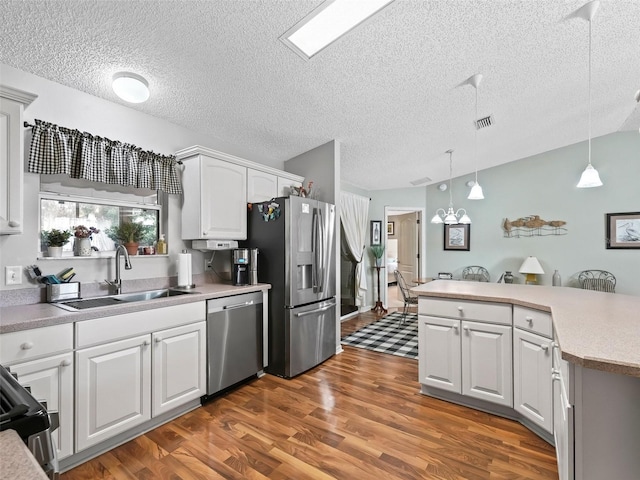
(543,185)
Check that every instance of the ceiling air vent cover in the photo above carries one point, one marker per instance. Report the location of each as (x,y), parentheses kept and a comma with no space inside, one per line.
(484,122)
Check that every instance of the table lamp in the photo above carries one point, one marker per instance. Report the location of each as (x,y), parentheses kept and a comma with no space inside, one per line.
(531,267)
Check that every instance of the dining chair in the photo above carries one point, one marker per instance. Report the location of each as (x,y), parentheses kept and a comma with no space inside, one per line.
(408,298)
(599,280)
(475,273)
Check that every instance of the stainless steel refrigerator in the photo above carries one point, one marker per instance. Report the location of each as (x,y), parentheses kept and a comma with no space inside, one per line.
(297,257)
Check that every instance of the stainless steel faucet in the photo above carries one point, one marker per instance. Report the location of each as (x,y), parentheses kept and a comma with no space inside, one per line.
(117,283)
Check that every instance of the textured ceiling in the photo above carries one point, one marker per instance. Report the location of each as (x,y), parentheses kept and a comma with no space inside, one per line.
(387,90)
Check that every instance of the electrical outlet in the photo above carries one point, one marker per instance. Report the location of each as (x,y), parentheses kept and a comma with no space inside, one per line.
(13,275)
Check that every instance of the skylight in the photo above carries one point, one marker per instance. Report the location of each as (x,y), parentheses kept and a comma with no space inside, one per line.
(330,21)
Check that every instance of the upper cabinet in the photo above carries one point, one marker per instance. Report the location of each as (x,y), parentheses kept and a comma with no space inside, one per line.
(12,104)
(217,188)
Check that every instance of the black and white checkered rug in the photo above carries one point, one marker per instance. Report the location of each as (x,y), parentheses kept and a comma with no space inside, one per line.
(388,335)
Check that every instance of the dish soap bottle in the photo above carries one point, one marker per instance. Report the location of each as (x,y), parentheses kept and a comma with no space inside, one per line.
(556,280)
(161,245)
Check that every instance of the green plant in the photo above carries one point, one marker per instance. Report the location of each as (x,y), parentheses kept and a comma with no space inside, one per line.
(127,232)
(55,237)
(377,250)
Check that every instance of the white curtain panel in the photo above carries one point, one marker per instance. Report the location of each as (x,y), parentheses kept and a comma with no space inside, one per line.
(354,212)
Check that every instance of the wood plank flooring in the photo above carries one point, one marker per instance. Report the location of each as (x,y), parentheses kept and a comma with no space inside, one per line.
(357,416)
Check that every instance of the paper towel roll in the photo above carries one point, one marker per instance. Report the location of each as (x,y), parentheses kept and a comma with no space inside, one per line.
(184,270)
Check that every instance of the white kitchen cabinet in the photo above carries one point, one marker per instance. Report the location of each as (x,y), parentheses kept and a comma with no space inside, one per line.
(486,362)
(215,199)
(439,356)
(261,186)
(12,104)
(470,358)
(533,392)
(563,418)
(113,389)
(285,184)
(51,380)
(179,366)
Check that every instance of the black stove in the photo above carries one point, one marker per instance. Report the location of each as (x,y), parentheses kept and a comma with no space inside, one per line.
(21,412)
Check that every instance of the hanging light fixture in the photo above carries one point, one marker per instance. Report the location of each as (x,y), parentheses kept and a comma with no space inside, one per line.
(450,217)
(476,189)
(589,177)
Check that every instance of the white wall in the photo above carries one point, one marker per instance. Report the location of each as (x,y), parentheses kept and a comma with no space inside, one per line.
(74,109)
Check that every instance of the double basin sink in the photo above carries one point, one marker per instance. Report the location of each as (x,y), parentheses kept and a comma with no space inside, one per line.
(110,300)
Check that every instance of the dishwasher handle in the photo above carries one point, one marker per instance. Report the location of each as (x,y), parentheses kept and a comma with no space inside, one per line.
(238,305)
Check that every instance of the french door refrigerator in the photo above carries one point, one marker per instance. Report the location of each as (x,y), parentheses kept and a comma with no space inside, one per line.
(297,257)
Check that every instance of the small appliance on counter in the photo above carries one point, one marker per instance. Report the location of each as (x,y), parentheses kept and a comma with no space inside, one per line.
(240,270)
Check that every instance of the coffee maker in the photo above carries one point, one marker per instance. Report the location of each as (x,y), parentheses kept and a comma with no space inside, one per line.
(240,260)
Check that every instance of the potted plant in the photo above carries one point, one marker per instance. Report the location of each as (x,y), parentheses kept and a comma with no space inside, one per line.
(129,234)
(82,245)
(378,252)
(55,240)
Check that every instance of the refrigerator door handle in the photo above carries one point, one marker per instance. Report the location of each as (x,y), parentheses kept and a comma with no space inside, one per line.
(321,253)
(314,247)
(317,310)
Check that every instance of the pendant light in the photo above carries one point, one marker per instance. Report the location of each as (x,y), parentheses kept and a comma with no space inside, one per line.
(589,177)
(449,217)
(476,189)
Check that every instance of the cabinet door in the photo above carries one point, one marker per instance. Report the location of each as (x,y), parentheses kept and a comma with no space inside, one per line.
(261,186)
(563,429)
(284,186)
(223,200)
(439,353)
(113,390)
(487,362)
(532,392)
(51,380)
(179,366)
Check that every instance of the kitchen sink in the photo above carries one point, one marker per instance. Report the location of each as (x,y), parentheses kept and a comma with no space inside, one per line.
(110,300)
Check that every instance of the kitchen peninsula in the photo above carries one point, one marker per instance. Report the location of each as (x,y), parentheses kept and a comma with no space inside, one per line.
(594,338)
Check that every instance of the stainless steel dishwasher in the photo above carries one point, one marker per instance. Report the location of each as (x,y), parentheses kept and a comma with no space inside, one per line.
(234,340)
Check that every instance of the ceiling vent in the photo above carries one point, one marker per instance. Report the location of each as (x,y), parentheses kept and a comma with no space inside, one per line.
(484,122)
(420,181)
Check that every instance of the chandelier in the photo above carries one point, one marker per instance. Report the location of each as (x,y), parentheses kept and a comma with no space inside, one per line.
(450,217)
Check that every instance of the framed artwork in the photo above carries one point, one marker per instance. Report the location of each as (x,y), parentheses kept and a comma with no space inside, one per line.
(376,232)
(390,228)
(456,237)
(623,230)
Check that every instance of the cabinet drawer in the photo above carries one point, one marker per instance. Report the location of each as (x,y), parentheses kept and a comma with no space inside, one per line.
(533,320)
(34,343)
(107,329)
(466,310)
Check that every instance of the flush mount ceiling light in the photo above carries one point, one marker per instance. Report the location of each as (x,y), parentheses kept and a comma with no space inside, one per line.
(130,87)
(327,23)
(449,217)
(589,177)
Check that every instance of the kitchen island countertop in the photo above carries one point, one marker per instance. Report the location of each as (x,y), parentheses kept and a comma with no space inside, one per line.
(24,317)
(597,330)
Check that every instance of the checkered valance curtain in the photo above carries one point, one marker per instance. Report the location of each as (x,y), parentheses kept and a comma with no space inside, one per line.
(60,150)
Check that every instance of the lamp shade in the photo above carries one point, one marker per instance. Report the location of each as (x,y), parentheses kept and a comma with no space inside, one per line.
(531,265)
(589,178)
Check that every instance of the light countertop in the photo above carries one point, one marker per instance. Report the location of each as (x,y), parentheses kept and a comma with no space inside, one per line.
(16,461)
(24,317)
(597,330)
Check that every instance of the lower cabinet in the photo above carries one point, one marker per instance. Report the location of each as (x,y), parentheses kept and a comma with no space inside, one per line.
(179,366)
(563,421)
(533,393)
(51,380)
(471,358)
(113,389)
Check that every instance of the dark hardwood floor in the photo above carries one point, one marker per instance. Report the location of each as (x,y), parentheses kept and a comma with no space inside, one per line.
(357,416)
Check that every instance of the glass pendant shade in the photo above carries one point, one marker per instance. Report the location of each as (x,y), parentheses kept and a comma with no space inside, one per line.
(436,219)
(476,192)
(589,178)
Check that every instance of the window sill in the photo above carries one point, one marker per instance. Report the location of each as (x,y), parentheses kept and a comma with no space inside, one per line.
(97,256)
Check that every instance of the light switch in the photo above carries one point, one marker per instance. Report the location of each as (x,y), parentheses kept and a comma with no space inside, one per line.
(13,275)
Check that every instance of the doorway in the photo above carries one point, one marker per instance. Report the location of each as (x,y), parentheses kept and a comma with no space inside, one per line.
(405,246)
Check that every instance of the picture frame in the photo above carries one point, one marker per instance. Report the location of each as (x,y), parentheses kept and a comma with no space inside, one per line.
(390,228)
(376,232)
(622,230)
(457,237)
